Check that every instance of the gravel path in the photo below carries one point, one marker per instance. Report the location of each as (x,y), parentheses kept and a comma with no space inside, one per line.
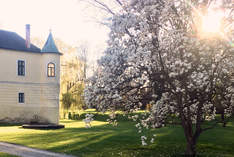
(27,152)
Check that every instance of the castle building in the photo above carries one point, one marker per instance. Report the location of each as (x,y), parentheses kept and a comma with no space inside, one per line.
(29,79)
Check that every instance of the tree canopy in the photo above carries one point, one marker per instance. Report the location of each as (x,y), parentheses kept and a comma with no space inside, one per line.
(160,53)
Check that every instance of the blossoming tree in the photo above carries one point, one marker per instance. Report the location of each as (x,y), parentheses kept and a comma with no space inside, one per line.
(160,52)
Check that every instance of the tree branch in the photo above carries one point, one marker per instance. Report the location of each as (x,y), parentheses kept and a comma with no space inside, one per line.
(120,3)
(104,6)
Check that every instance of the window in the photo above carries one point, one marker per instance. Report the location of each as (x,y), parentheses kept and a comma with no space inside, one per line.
(51,70)
(21,68)
(21,97)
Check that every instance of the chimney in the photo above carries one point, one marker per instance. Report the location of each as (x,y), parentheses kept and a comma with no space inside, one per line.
(27,35)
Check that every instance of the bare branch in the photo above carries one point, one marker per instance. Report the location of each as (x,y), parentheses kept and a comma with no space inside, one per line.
(118,1)
(104,6)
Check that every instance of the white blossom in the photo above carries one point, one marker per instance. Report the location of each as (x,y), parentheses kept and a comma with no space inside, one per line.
(156,56)
(88,119)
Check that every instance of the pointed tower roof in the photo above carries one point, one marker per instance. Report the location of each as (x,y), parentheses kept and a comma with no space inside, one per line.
(50,45)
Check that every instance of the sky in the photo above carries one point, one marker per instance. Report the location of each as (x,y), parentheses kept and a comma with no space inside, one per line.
(69,20)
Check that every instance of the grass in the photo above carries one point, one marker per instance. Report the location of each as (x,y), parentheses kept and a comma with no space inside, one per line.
(106,140)
(6,155)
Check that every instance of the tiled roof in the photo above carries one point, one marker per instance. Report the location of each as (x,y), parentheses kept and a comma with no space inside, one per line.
(12,41)
(50,46)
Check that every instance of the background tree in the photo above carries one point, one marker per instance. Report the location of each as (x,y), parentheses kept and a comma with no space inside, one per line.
(67,100)
(83,57)
(72,76)
(162,49)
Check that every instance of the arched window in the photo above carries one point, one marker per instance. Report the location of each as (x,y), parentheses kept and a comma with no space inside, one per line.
(51,70)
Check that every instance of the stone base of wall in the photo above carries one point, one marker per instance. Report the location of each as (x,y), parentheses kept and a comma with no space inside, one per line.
(29,115)
(19,120)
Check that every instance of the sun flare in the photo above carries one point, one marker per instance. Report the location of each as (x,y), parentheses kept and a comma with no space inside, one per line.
(212,22)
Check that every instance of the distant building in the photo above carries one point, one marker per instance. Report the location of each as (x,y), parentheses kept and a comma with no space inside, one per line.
(29,79)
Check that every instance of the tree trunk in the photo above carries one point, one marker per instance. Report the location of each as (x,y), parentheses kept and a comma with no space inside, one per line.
(191,148)
(191,139)
(223,119)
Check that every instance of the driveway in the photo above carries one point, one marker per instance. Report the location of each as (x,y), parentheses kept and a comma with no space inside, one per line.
(27,152)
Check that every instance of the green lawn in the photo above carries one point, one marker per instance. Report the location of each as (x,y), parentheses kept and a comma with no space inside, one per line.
(105,140)
(6,155)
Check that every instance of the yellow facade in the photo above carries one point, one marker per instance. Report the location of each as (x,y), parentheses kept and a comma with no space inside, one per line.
(41,92)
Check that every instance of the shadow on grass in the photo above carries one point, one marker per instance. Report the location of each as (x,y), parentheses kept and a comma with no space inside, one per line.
(7,125)
(106,140)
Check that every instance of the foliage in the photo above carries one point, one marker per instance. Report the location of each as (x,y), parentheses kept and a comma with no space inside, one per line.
(72,76)
(78,95)
(98,116)
(67,100)
(158,55)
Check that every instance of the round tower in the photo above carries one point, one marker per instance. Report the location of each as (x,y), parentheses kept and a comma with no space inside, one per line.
(50,81)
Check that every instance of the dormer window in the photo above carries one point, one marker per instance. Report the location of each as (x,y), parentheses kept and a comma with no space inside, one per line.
(51,70)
